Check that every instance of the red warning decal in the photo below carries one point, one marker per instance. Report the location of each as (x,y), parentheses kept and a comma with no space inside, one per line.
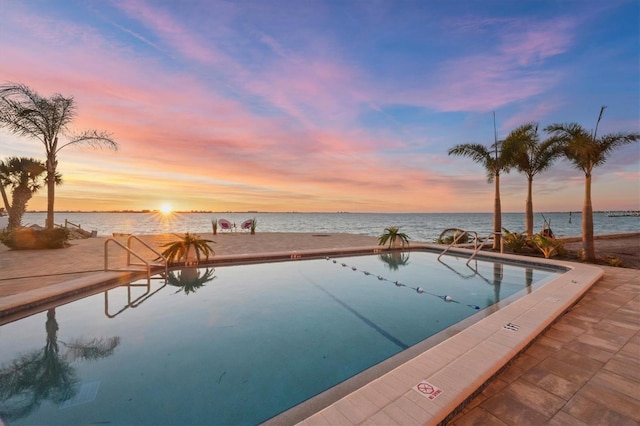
(427,390)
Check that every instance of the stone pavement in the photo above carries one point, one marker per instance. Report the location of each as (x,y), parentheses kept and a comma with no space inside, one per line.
(585,369)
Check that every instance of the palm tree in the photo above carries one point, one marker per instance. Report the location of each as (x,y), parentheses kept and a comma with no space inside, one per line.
(586,151)
(494,163)
(394,237)
(23,176)
(530,157)
(25,113)
(186,248)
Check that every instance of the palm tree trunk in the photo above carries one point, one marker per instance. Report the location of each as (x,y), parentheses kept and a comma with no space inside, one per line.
(5,199)
(529,208)
(21,196)
(51,191)
(587,222)
(497,216)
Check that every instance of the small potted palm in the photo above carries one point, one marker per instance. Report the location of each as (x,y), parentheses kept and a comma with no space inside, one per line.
(189,249)
(394,237)
(254,223)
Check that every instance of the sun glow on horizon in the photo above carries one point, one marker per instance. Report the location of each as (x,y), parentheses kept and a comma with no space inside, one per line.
(166,209)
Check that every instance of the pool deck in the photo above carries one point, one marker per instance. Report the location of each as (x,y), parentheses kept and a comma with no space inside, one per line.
(584,369)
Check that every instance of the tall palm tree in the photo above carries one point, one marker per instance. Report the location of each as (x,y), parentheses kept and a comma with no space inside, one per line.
(23,175)
(24,112)
(587,151)
(530,157)
(494,163)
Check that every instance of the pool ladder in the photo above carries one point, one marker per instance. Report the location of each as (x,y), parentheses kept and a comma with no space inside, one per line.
(160,260)
(477,247)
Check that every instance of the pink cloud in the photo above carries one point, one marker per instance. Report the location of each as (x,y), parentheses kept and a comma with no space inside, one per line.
(500,75)
(529,46)
(169,31)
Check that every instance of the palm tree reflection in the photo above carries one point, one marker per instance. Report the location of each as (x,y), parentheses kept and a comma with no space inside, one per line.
(395,259)
(528,277)
(497,280)
(190,279)
(47,374)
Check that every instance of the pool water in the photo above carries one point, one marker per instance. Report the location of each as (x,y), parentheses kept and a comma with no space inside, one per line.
(238,344)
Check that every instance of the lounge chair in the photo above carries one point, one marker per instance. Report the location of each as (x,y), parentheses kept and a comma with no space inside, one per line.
(246,225)
(225,225)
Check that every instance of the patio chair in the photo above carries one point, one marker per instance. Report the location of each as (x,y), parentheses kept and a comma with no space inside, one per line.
(246,225)
(225,225)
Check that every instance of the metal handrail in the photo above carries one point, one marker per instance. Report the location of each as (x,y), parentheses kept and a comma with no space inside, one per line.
(156,252)
(130,252)
(455,241)
(477,249)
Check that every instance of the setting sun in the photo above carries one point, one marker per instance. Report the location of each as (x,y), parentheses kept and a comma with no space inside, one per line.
(166,208)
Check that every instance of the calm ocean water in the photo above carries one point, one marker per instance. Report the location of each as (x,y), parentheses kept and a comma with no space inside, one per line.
(424,227)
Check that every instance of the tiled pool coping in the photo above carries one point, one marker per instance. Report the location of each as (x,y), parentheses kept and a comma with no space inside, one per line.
(456,368)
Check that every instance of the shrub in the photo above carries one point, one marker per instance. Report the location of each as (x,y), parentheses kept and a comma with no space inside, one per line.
(613,260)
(516,242)
(448,236)
(547,246)
(29,238)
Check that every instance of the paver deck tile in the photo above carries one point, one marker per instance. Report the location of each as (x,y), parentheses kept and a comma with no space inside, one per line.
(623,365)
(564,419)
(579,360)
(615,400)
(535,397)
(599,342)
(512,411)
(590,351)
(478,417)
(553,383)
(595,414)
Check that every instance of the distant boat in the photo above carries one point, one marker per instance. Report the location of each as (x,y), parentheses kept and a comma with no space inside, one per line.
(623,213)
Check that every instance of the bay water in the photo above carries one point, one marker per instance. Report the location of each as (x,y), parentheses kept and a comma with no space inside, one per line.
(424,227)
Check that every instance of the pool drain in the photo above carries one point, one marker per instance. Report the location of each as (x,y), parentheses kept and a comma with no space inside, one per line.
(511,326)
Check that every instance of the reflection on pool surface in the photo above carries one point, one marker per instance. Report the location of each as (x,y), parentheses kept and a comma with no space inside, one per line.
(238,344)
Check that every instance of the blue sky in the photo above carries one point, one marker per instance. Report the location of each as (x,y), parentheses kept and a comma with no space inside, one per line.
(324,105)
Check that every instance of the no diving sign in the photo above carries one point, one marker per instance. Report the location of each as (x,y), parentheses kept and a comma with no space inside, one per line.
(427,390)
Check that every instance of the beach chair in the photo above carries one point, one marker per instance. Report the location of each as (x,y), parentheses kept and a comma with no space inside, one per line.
(246,225)
(225,225)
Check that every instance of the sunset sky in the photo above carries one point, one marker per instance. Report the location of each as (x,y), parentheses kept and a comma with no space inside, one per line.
(323,105)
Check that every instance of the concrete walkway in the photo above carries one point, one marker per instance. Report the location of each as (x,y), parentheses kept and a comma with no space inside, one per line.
(584,370)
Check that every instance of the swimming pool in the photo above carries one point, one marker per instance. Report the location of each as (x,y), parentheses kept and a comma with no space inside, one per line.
(238,344)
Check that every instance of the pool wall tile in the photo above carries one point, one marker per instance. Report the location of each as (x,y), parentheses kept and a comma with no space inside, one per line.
(381,418)
(353,411)
(414,410)
(398,414)
(376,397)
